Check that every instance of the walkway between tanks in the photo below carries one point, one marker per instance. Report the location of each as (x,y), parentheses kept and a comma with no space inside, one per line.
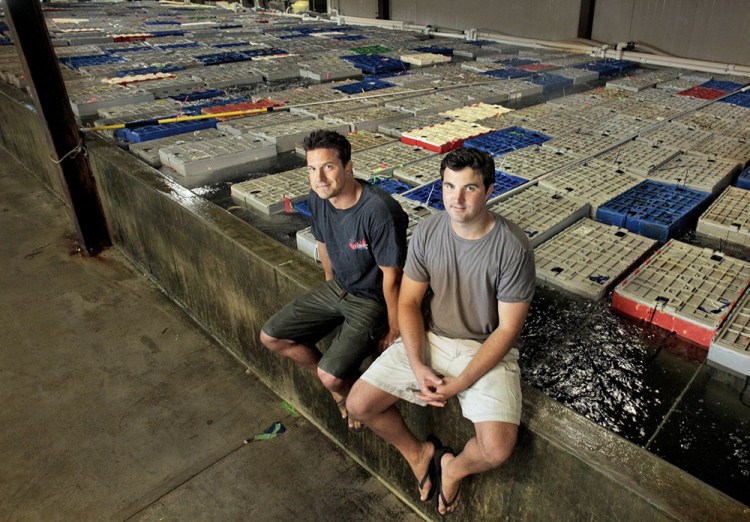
(116,406)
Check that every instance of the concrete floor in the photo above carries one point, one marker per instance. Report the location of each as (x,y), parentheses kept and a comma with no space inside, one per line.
(116,406)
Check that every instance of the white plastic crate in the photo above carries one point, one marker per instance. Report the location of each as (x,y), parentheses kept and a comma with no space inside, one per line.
(592,182)
(477,111)
(270,194)
(148,151)
(424,59)
(420,172)
(731,345)
(684,288)
(719,146)
(367,118)
(307,244)
(532,162)
(728,218)
(217,156)
(638,157)
(380,161)
(396,128)
(588,258)
(541,213)
(285,136)
(444,137)
(697,172)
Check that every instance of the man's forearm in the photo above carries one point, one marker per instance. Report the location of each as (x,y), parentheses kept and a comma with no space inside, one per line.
(492,351)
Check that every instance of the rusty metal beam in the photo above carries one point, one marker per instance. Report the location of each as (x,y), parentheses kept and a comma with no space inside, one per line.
(64,139)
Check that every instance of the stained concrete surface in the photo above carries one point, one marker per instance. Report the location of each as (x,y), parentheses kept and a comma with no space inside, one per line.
(116,406)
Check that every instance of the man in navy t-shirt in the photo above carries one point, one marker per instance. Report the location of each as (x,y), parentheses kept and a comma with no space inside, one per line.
(361,234)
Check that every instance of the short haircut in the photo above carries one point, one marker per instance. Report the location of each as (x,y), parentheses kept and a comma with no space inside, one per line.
(325,139)
(480,162)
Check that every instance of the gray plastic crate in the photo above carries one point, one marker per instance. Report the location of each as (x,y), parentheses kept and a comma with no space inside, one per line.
(278,69)
(684,288)
(731,345)
(87,105)
(396,128)
(532,162)
(677,84)
(228,75)
(726,111)
(588,258)
(592,182)
(582,144)
(381,161)
(237,126)
(541,213)
(426,104)
(578,76)
(416,212)
(420,172)
(367,118)
(638,157)
(325,108)
(211,159)
(675,136)
(697,172)
(148,151)
(285,136)
(720,146)
(270,194)
(728,218)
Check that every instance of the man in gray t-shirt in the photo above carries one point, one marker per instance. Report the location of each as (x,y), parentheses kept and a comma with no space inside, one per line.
(480,270)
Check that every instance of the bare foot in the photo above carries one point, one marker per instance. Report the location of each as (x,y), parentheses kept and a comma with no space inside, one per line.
(449,495)
(354,424)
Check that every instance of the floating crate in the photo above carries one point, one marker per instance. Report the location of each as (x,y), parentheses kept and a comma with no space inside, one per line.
(591,182)
(87,105)
(702,93)
(424,59)
(656,210)
(381,161)
(723,85)
(477,111)
(638,157)
(365,118)
(720,146)
(538,67)
(444,137)
(432,193)
(578,76)
(582,143)
(364,86)
(272,194)
(375,63)
(697,172)
(640,82)
(541,213)
(415,210)
(550,82)
(363,140)
(370,50)
(153,132)
(230,75)
(728,218)
(216,157)
(420,172)
(726,111)
(685,289)
(508,73)
(307,244)
(397,127)
(277,70)
(743,181)
(285,136)
(730,347)
(425,104)
(241,106)
(507,140)
(243,125)
(328,70)
(389,184)
(675,136)
(531,162)
(148,151)
(677,85)
(588,258)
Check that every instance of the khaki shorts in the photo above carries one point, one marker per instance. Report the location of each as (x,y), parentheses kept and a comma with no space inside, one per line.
(496,396)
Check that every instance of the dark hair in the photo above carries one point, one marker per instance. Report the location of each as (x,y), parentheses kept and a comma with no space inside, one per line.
(326,139)
(480,162)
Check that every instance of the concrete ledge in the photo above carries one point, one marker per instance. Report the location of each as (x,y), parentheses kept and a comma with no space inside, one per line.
(231,278)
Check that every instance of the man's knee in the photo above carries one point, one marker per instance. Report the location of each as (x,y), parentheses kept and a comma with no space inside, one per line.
(329,381)
(366,401)
(498,449)
(272,343)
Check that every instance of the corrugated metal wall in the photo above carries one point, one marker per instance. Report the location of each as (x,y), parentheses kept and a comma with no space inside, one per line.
(716,30)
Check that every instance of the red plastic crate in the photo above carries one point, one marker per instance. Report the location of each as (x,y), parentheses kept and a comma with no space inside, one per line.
(241,106)
(703,93)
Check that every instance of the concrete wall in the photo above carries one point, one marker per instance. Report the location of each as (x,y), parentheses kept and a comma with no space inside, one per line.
(230,278)
(715,30)
(549,19)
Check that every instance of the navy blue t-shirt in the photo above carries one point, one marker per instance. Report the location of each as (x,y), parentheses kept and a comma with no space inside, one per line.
(362,238)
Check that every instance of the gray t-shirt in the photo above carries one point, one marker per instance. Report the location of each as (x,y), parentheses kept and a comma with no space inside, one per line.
(469,277)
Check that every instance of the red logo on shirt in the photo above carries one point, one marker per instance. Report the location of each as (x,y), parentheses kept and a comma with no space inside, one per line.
(358,245)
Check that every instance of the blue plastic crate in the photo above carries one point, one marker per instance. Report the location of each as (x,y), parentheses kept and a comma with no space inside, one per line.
(231,44)
(741,99)
(269,51)
(550,82)
(303,207)
(608,68)
(435,49)
(4,27)
(430,194)
(178,46)
(364,86)
(508,73)
(390,185)
(743,181)
(351,37)
(722,85)
(506,140)
(515,62)
(656,210)
(133,49)
(162,22)
(156,131)
(149,70)
(198,95)
(505,182)
(159,34)
(230,26)
(219,58)
(76,62)
(375,63)
(293,36)
(480,43)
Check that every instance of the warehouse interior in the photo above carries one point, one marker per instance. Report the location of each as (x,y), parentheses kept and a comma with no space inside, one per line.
(621,136)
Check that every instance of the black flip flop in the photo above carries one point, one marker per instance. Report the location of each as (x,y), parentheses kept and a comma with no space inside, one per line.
(431,471)
(439,472)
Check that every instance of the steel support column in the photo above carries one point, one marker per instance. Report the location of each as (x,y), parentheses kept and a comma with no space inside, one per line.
(586,20)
